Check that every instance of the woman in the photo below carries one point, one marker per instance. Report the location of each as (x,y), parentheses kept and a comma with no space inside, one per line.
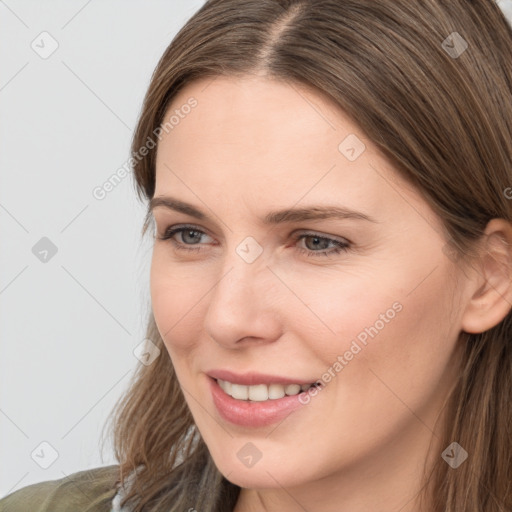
(329,185)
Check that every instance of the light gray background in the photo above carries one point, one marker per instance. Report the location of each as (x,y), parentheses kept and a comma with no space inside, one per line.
(68,326)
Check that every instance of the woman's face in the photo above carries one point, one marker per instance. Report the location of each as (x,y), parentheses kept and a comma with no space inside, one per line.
(263,288)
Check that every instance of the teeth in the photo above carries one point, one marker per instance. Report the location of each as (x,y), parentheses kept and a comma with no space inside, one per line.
(225,385)
(276,391)
(258,393)
(261,392)
(239,391)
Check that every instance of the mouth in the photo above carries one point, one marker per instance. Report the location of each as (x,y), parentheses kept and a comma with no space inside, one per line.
(253,399)
(262,392)
(255,405)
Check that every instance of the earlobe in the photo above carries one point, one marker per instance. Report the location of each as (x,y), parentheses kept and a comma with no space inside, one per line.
(491,298)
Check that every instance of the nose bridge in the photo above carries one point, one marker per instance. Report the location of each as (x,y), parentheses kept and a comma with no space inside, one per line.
(239,304)
(244,272)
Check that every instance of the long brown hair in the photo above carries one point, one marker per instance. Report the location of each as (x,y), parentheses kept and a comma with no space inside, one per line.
(443,120)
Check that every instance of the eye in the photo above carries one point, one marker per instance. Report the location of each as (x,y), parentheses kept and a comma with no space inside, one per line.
(185,232)
(320,242)
(191,236)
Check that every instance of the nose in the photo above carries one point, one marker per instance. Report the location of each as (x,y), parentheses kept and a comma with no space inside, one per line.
(244,303)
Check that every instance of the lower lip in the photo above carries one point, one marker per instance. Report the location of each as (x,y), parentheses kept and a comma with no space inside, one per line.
(247,413)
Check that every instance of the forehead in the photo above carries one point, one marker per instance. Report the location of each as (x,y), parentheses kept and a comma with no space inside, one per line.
(275,141)
(255,113)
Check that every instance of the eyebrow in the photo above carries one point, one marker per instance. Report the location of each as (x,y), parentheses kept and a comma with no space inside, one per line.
(272,218)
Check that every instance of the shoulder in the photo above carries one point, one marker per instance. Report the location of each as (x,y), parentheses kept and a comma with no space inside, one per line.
(91,490)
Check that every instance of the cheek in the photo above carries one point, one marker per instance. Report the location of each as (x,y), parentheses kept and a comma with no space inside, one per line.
(379,324)
(175,295)
(402,353)
(338,308)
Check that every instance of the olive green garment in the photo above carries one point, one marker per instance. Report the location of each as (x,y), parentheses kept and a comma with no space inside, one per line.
(91,490)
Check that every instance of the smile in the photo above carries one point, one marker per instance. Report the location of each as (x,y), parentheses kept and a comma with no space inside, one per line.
(261,392)
(255,405)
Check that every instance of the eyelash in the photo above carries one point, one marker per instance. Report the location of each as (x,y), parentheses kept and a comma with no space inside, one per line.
(342,246)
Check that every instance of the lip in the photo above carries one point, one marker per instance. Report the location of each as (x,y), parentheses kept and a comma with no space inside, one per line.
(253,378)
(247,413)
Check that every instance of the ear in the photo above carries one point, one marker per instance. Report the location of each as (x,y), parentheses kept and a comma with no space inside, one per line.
(491,298)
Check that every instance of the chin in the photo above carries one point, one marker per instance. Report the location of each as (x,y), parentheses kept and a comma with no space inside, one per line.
(258,479)
(264,474)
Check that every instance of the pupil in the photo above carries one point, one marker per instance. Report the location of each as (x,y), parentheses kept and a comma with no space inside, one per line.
(190,233)
(317,242)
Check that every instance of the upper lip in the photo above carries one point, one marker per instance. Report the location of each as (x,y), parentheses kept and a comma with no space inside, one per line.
(254,378)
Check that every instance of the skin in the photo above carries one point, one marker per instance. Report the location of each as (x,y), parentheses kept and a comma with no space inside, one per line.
(253,145)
